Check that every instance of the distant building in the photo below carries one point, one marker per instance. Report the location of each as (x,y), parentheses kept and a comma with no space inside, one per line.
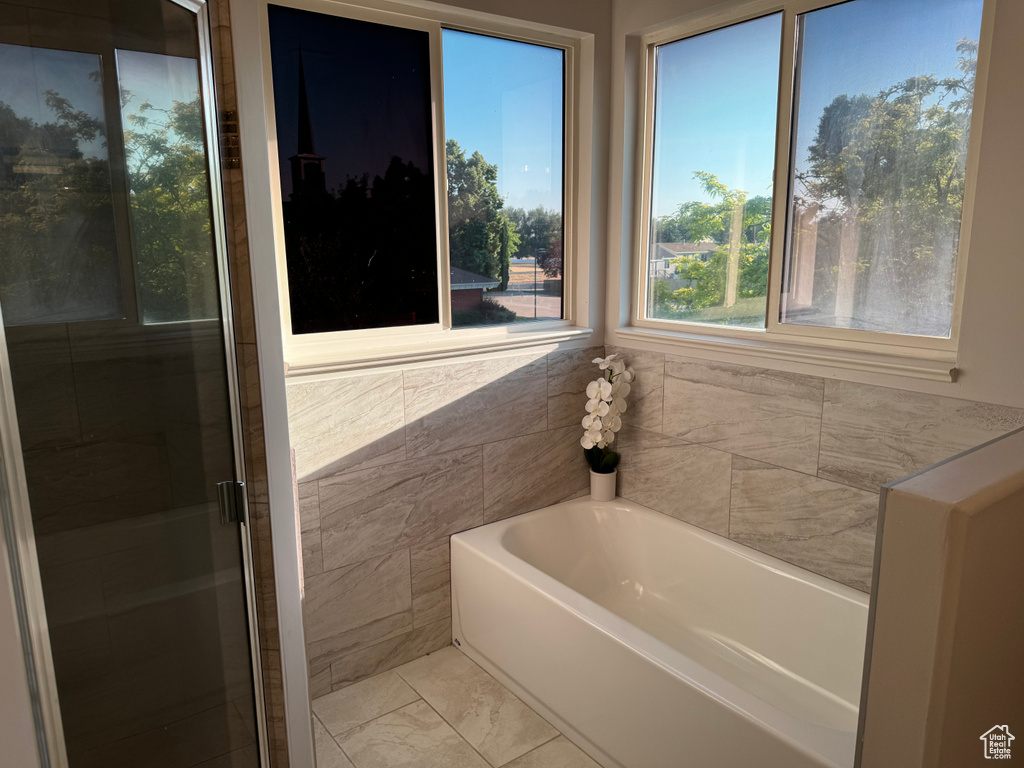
(664,253)
(468,288)
(308,180)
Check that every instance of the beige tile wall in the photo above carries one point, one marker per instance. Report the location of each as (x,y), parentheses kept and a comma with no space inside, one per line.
(390,464)
(788,464)
(243,313)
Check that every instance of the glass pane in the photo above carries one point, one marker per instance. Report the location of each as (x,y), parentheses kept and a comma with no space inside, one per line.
(503,111)
(125,427)
(169,192)
(715,106)
(58,252)
(879,151)
(355,146)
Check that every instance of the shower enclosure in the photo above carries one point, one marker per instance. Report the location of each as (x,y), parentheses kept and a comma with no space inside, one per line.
(121,468)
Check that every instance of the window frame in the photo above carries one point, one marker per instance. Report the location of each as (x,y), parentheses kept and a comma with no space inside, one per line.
(914,356)
(374,347)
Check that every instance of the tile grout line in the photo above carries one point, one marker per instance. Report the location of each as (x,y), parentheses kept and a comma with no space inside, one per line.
(459,733)
(372,719)
(558,734)
(455,730)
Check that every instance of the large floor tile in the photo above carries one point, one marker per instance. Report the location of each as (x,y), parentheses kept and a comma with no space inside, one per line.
(559,753)
(484,712)
(412,737)
(360,703)
(328,753)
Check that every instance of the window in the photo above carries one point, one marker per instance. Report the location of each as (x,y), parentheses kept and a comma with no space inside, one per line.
(368,173)
(843,220)
(503,119)
(715,103)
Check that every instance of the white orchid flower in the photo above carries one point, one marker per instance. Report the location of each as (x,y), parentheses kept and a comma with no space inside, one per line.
(620,388)
(628,375)
(590,419)
(618,367)
(604,362)
(587,442)
(614,424)
(620,405)
(599,388)
(607,437)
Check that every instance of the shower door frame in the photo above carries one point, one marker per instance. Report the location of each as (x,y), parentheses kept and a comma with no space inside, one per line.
(15,510)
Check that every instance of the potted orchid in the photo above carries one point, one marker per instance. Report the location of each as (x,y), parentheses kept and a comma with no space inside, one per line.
(606,402)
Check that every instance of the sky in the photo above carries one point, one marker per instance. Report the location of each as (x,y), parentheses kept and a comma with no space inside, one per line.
(30,72)
(504,99)
(369,93)
(156,79)
(716,102)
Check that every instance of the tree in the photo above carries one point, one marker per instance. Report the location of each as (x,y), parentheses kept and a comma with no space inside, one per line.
(482,238)
(59,258)
(736,224)
(170,205)
(882,193)
(540,232)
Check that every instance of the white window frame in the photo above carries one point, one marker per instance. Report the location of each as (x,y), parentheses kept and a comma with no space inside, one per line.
(375,347)
(825,348)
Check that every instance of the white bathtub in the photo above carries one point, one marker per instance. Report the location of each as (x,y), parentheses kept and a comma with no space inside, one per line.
(654,644)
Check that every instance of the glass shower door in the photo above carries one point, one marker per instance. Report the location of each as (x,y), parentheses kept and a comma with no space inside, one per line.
(110,294)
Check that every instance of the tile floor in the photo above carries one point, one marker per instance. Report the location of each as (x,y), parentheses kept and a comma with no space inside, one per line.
(440,711)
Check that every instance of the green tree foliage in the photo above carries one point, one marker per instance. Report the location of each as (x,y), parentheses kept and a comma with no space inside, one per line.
(170,205)
(891,168)
(703,281)
(57,243)
(482,238)
(540,232)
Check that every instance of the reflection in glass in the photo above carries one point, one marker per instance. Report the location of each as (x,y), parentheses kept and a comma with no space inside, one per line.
(355,146)
(715,105)
(503,103)
(58,254)
(880,149)
(169,189)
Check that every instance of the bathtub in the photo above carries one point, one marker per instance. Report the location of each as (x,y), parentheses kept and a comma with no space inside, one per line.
(654,644)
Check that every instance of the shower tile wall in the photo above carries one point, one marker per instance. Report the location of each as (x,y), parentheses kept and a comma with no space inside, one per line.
(785,463)
(251,400)
(390,464)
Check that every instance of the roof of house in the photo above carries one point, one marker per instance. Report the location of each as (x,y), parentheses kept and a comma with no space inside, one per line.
(463,279)
(676,249)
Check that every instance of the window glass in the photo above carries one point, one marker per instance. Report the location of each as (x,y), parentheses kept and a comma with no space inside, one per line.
(503,104)
(169,188)
(355,148)
(715,107)
(880,134)
(58,249)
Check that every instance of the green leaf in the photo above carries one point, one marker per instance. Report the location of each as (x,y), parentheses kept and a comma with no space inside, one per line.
(608,464)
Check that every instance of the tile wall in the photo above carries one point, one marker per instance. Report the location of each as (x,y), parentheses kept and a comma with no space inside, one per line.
(785,463)
(391,463)
(251,400)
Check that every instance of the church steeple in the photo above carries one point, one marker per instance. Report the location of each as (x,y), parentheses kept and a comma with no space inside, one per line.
(305,125)
(307,166)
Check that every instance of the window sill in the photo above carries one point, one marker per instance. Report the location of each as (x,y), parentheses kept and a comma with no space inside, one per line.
(307,358)
(759,349)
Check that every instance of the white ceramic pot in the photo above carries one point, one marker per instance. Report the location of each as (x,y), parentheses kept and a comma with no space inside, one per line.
(602,486)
